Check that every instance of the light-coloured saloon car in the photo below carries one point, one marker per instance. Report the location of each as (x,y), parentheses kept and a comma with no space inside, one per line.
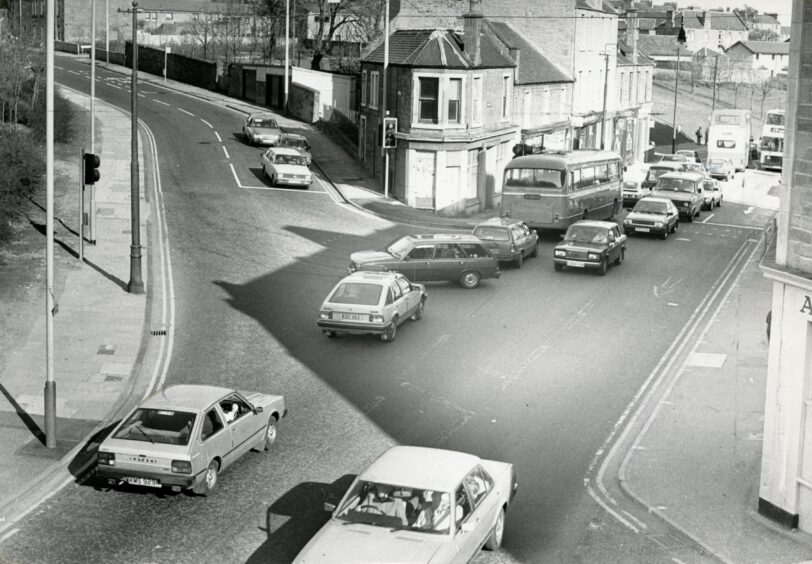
(283,165)
(417,505)
(261,129)
(183,436)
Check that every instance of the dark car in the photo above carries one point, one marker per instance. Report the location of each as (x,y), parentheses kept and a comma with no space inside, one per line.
(509,239)
(657,216)
(590,244)
(656,170)
(298,143)
(459,258)
(684,189)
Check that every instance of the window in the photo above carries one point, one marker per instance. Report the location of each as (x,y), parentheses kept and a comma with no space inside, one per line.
(428,99)
(545,102)
(405,287)
(364,86)
(614,169)
(463,503)
(505,92)
(454,99)
(448,251)
(478,483)
(477,100)
(473,173)
(170,17)
(211,425)
(726,143)
(601,173)
(396,291)
(422,252)
(474,250)
(373,89)
(233,408)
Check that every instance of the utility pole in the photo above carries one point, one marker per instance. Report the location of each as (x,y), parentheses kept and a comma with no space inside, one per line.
(715,74)
(136,284)
(92,200)
(50,309)
(287,51)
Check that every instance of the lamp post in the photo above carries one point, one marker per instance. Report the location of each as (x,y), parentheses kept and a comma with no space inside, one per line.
(92,211)
(287,51)
(136,284)
(605,90)
(383,99)
(680,41)
(50,309)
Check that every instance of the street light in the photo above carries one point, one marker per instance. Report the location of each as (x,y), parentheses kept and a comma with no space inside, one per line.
(136,284)
(680,41)
(605,88)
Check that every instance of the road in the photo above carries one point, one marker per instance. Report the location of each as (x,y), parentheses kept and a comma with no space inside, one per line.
(536,368)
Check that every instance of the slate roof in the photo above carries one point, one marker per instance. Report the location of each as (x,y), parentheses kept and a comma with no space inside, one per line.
(765,47)
(624,56)
(660,46)
(194,7)
(437,48)
(605,7)
(765,19)
(534,67)
(723,21)
(646,20)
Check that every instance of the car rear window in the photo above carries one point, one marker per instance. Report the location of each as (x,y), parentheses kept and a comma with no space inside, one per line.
(474,250)
(157,426)
(357,293)
(492,233)
(655,173)
(257,122)
(676,185)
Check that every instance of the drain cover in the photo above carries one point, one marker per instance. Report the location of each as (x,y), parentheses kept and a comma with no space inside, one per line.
(667,541)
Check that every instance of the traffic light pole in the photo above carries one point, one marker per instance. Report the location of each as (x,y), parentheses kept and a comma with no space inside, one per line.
(92,211)
(82,208)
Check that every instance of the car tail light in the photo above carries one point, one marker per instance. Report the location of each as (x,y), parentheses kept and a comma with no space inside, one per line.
(376,318)
(325,315)
(106,458)
(181,467)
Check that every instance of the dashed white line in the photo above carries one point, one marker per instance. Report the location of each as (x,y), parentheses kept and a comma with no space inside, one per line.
(185,112)
(218,137)
(226,152)
(116,87)
(234,172)
(207,123)
(708,218)
(159,102)
(141,95)
(74,72)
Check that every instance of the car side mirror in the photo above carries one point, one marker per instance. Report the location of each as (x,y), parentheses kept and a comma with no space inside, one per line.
(329,506)
(257,409)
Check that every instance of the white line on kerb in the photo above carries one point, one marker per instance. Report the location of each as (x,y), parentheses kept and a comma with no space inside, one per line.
(234,172)
(226,152)
(159,102)
(207,123)
(185,112)
(218,137)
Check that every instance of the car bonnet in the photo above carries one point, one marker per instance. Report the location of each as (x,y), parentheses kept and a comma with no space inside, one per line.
(364,257)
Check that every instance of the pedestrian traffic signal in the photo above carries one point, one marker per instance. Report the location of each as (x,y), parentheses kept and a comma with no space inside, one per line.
(92,163)
(390,127)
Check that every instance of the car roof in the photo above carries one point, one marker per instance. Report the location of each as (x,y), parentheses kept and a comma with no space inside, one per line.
(420,467)
(499,222)
(371,276)
(685,175)
(262,116)
(190,397)
(283,151)
(667,164)
(294,136)
(440,237)
(655,200)
(596,223)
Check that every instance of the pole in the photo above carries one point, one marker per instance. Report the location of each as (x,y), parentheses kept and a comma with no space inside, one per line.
(50,384)
(715,67)
(383,101)
(82,207)
(92,192)
(287,50)
(605,88)
(676,90)
(136,284)
(107,31)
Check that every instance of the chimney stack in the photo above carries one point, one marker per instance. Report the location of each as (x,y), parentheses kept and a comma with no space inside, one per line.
(632,32)
(706,19)
(472,32)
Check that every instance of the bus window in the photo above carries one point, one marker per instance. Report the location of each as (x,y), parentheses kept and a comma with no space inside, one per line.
(614,171)
(575,180)
(601,173)
(587,178)
(533,178)
(775,119)
(726,143)
(723,119)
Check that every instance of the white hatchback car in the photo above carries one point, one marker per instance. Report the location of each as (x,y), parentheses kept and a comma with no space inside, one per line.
(286,166)
(372,302)
(417,505)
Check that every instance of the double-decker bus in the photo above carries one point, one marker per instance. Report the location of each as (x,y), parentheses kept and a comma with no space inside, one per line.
(729,137)
(771,148)
(553,190)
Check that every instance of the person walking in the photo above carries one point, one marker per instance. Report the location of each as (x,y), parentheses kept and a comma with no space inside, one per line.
(699,135)
(706,136)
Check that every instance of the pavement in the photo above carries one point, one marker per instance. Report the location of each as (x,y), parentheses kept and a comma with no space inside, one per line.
(696,466)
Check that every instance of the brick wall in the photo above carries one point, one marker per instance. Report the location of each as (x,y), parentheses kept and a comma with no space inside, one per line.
(196,72)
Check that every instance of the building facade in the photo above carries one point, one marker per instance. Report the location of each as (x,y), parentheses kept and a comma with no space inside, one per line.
(711,29)
(785,489)
(753,61)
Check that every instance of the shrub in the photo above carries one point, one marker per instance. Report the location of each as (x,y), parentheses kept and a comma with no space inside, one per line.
(22,168)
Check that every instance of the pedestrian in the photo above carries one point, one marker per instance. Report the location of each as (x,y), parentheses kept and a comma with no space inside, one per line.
(706,136)
(699,135)
(769,323)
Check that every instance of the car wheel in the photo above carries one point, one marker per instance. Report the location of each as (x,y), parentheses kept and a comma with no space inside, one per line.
(664,234)
(535,252)
(519,260)
(603,267)
(719,203)
(676,226)
(210,478)
(389,335)
(495,538)
(469,279)
(418,313)
(690,217)
(273,180)
(270,432)
(329,334)
(620,257)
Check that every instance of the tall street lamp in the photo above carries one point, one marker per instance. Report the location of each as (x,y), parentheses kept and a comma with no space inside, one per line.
(605,89)
(136,284)
(680,41)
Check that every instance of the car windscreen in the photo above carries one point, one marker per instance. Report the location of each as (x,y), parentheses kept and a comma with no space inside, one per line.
(655,172)
(586,234)
(532,179)
(290,160)
(644,206)
(295,143)
(676,185)
(726,143)
(357,293)
(266,123)
(397,507)
(165,426)
(492,233)
(400,247)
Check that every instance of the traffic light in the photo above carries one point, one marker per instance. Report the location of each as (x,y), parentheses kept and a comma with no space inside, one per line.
(92,163)
(390,127)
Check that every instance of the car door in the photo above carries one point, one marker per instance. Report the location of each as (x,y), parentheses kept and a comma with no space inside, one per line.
(480,486)
(612,245)
(411,295)
(417,265)
(466,531)
(242,423)
(213,441)
(673,214)
(449,261)
(398,301)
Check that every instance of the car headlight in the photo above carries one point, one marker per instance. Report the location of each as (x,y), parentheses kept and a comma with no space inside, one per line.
(627,221)
(376,318)
(658,224)
(106,458)
(593,256)
(560,253)
(181,467)
(325,315)
(686,204)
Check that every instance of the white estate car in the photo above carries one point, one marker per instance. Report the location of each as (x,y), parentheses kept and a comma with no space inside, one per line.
(417,505)
(286,166)
(182,437)
(371,302)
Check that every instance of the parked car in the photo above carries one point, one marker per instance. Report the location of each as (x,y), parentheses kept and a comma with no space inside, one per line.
(297,142)
(696,167)
(657,216)
(371,302)
(590,244)
(182,437)
(509,239)
(461,258)
(690,155)
(684,189)
(721,168)
(675,157)
(417,505)
(285,166)
(656,170)
(632,188)
(261,129)
(711,193)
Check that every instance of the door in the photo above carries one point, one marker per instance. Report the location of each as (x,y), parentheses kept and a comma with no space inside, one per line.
(417,265)
(249,84)
(614,245)
(449,262)
(466,528)
(411,295)
(213,441)
(362,140)
(242,424)
(399,300)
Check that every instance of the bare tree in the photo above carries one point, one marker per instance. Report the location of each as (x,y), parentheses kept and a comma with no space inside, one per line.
(203,30)
(362,17)
(15,68)
(763,35)
(764,87)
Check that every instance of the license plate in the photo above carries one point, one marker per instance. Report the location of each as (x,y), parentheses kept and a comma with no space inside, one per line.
(577,263)
(353,317)
(642,229)
(144,482)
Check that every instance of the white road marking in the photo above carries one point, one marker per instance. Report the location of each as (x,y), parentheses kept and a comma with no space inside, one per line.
(708,218)
(288,190)
(207,123)
(114,86)
(74,72)
(8,535)
(234,172)
(185,112)
(159,102)
(226,152)
(141,95)
(218,137)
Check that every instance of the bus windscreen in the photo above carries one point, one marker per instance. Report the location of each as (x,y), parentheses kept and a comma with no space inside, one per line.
(775,119)
(534,178)
(723,119)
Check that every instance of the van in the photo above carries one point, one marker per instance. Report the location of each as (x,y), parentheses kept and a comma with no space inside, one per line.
(656,170)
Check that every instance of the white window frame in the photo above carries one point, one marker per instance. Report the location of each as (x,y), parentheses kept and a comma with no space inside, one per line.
(507,93)
(476,99)
(443,80)
(169,16)
(374,87)
(364,86)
